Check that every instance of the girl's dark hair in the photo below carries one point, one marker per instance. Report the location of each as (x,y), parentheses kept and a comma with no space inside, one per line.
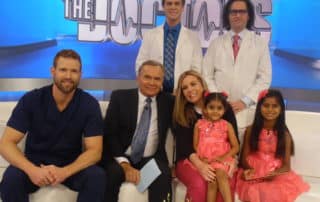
(280,126)
(228,114)
(226,12)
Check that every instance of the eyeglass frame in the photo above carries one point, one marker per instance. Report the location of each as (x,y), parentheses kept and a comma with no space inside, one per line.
(238,11)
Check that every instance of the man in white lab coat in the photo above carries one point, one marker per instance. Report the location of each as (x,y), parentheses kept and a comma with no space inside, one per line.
(187,53)
(238,62)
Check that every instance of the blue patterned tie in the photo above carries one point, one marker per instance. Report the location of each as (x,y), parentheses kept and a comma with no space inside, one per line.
(169,60)
(140,136)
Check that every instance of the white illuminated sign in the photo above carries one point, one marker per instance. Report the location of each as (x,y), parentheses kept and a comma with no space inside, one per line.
(125,21)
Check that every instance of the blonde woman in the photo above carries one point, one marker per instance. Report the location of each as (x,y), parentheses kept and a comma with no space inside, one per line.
(190,170)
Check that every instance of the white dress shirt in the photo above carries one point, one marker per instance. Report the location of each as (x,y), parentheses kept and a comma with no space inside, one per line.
(153,137)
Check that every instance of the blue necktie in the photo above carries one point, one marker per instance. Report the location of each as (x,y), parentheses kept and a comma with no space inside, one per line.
(140,136)
(169,60)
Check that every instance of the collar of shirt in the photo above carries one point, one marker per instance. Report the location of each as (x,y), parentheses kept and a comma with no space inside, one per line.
(241,34)
(142,98)
(175,30)
(198,110)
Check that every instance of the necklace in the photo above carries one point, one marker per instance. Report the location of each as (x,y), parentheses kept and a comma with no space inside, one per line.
(268,131)
(209,128)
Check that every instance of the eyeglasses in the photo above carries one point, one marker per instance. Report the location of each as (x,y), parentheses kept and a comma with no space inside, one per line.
(240,12)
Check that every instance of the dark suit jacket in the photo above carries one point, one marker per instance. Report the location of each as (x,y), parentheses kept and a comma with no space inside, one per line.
(121,119)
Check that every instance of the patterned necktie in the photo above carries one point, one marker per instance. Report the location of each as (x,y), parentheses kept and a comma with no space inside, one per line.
(169,60)
(235,46)
(140,136)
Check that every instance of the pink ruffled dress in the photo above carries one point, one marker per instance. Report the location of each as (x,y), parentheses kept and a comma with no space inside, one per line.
(214,142)
(282,188)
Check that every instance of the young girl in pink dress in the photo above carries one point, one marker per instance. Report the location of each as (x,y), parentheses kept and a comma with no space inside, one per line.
(266,175)
(215,142)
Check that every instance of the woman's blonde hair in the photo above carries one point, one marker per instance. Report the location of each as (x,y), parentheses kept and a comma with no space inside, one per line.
(183,112)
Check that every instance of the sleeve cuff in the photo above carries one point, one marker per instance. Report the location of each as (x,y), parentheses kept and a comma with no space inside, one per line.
(247,101)
(121,159)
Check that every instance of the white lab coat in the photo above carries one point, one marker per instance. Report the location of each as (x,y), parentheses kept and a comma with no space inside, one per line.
(247,76)
(188,50)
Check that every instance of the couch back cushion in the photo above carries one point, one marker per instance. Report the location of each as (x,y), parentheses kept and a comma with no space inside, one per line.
(305,130)
(5,112)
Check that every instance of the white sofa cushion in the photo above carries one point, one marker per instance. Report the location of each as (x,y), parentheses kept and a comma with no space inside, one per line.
(53,194)
(305,130)
(129,192)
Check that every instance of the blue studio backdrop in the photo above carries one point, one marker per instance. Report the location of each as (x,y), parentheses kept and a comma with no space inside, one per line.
(33,31)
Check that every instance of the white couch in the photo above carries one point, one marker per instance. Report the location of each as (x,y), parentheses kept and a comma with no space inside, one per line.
(304,126)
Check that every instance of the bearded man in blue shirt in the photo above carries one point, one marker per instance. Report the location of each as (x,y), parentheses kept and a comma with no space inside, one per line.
(63,129)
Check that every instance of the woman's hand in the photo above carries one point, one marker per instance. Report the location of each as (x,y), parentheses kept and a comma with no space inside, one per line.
(207,172)
(204,168)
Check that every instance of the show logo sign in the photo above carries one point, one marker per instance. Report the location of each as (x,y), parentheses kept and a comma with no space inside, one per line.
(125,21)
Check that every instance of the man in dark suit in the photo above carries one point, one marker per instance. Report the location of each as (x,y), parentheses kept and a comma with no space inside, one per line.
(123,117)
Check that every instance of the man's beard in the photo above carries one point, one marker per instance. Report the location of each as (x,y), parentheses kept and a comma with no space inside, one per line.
(66,90)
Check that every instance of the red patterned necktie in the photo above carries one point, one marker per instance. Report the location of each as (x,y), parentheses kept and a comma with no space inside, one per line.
(235,46)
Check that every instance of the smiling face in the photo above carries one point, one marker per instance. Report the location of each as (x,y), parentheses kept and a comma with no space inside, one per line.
(214,110)
(192,90)
(66,74)
(270,109)
(173,10)
(238,16)
(150,79)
